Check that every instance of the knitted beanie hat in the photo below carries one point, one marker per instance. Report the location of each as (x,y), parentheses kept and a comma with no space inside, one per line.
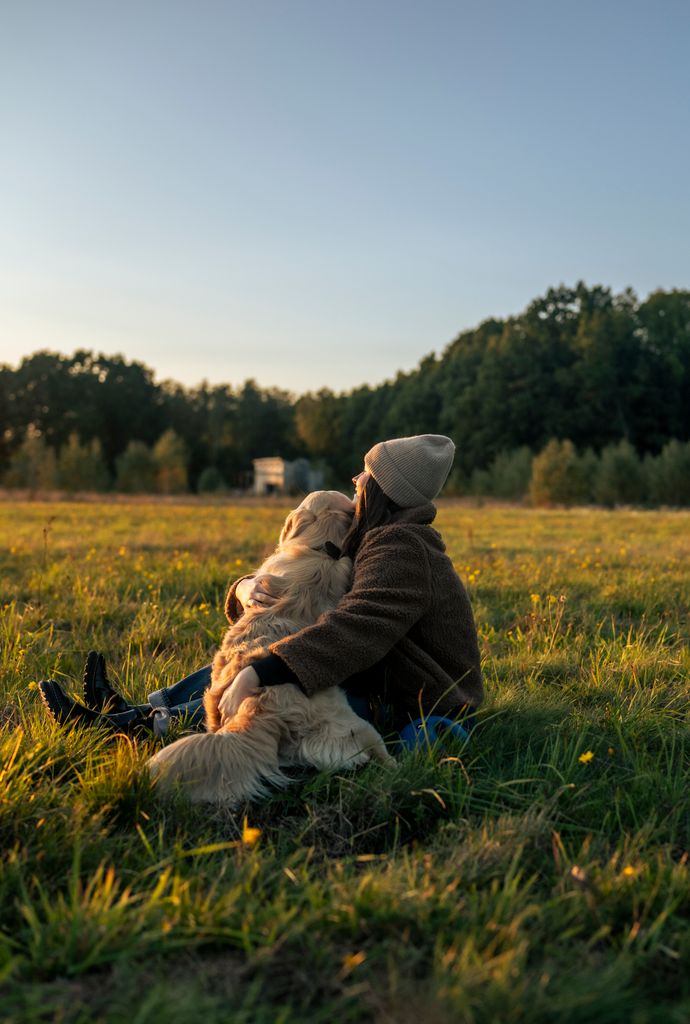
(411,470)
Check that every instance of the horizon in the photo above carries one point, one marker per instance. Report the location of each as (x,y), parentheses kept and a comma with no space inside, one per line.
(296,394)
(319,198)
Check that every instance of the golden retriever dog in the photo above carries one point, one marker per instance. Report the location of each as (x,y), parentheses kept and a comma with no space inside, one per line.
(243,754)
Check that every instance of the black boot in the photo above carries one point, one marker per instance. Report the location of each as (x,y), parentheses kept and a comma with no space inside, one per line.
(65,711)
(62,709)
(98,693)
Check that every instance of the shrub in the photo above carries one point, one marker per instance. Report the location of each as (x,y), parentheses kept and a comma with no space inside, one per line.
(136,469)
(589,467)
(619,479)
(557,476)
(210,481)
(510,473)
(508,476)
(479,483)
(170,458)
(668,474)
(33,464)
(80,467)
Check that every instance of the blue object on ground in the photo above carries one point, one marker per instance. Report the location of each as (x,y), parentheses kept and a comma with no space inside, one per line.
(361,706)
(426,731)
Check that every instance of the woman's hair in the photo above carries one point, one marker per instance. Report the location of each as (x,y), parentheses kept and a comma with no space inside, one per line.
(374,508)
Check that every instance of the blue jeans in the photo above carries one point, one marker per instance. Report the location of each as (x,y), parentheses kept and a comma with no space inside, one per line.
(185,700)
(181,700)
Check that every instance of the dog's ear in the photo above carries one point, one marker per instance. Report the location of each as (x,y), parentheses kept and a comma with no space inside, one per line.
(333,526)
(296,523)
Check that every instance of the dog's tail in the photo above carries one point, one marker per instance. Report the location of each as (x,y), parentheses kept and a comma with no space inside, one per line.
(222,767)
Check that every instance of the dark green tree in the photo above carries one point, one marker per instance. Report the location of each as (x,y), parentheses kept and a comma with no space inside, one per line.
(32,465)
(619,479)
(170,456)
(317,424)
(81,467)
(136,469)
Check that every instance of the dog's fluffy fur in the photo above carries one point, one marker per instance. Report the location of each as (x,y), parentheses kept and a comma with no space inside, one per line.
(241,755)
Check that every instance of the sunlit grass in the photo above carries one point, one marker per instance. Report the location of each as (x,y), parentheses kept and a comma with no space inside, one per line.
(539,873)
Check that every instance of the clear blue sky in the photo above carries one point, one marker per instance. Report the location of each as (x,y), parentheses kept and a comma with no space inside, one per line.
(318,193)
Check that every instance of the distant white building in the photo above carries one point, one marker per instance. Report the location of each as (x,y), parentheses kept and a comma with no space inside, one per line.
(278,476)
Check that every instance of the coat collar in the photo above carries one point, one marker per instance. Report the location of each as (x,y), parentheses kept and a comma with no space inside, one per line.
(422,514)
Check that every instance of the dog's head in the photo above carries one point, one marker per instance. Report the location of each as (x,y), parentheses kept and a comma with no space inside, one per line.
(322,516)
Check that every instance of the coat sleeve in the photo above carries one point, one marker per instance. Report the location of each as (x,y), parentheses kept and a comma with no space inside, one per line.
(233,608)
(391,590)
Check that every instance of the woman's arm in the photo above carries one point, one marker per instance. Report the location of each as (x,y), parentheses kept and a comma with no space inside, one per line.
(391,590)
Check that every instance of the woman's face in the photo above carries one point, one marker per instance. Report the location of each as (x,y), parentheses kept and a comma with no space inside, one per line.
(360,482)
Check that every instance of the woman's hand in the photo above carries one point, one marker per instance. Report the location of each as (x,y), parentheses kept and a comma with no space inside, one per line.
(251,594)
(245,684)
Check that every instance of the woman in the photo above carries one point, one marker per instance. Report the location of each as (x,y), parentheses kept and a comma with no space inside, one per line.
(402,642)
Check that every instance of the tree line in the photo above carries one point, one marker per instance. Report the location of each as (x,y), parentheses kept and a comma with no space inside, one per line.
(580,364)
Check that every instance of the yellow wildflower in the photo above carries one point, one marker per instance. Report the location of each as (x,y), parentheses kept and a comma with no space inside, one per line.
(249,835)
(579,876)
(586,757)
(629,870)
(350,961)
(535,598)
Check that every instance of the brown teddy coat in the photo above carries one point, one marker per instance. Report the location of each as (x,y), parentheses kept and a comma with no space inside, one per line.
(406,621)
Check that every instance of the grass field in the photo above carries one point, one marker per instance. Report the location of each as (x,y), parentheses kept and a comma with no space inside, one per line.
(538,874)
